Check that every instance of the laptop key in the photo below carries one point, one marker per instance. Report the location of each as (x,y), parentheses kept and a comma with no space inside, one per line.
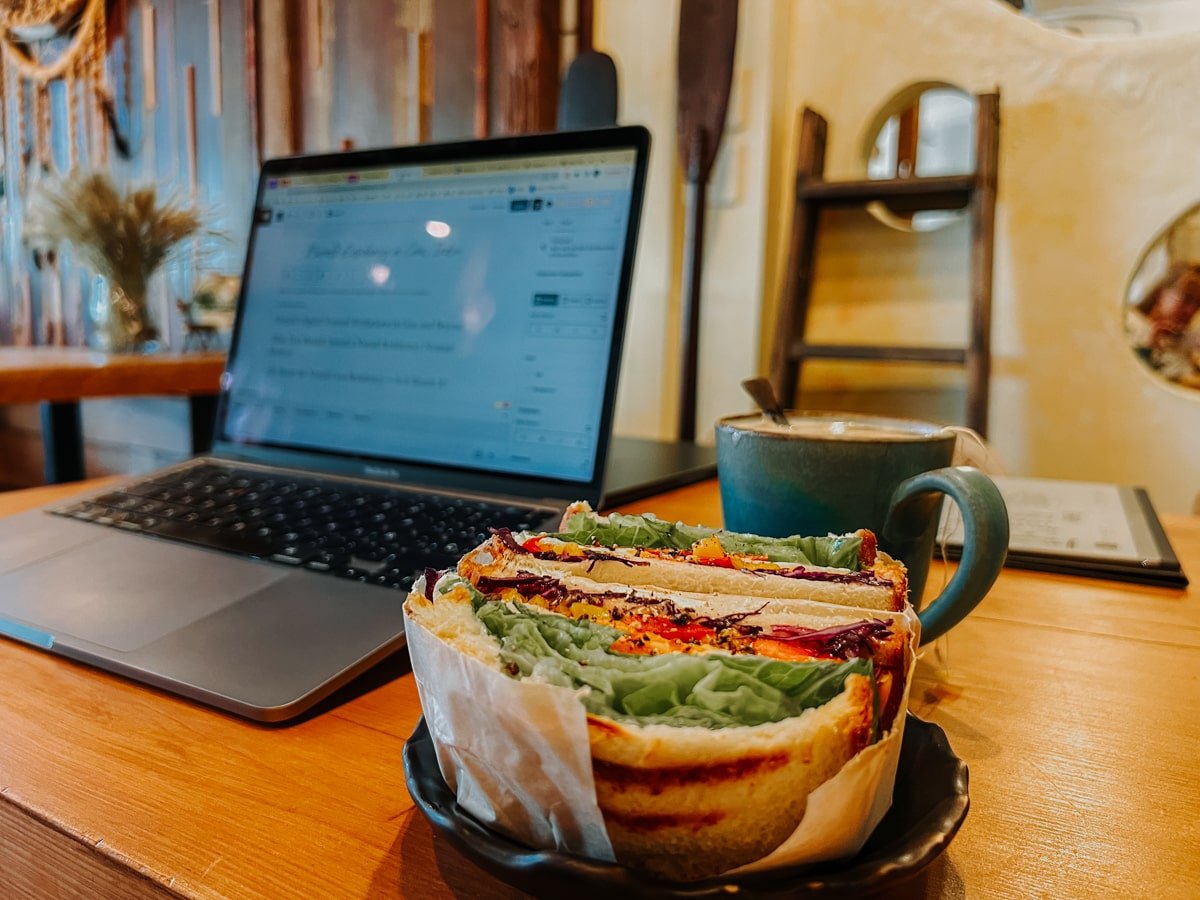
(373,553)
(301,552)
(243,544)
(146,489)
(120,501)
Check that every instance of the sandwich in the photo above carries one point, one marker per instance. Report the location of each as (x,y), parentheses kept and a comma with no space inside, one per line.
(846,569)
(702,760)
(652,621)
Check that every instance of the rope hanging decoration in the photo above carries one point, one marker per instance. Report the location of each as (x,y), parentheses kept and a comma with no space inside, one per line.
(72,121)
(3,118)
(28,13)
(27,24)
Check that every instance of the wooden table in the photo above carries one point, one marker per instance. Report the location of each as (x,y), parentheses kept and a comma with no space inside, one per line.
(1073,702)
(59,377)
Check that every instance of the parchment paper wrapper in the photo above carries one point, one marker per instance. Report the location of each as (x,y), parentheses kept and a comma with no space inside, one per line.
(515,753)
(517,756)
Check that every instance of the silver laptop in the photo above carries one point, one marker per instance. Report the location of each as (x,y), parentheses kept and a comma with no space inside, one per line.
(426,349)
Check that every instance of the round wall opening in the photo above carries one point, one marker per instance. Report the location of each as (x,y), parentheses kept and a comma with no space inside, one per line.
(927,129)
(1162,303)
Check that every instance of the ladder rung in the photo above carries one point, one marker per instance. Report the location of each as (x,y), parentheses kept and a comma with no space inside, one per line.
(883,353)
(900,194)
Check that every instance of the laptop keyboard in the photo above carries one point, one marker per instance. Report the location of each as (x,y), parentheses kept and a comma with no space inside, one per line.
(375,535)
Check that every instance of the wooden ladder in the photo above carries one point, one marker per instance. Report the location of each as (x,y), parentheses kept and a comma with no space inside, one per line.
(901,196)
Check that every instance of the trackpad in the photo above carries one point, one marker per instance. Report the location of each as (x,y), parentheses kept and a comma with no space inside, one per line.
(123,591)
(32,536)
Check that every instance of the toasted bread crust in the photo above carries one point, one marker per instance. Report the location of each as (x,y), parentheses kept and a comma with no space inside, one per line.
(704,803)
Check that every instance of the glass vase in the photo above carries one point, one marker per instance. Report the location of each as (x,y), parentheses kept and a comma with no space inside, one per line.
(122,321)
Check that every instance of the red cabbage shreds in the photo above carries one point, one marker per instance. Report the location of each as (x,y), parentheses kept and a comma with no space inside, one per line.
(597,555)
(722,622)
(431,577)
(525,583)
(858,639)
(588,554)
(549,588)
(505,537)
(804,574)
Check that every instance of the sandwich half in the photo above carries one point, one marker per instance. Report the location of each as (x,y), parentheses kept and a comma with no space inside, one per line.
(702,760)
(845,569)
(654,621)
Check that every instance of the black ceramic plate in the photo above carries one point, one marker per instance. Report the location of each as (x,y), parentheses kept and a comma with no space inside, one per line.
(929,805)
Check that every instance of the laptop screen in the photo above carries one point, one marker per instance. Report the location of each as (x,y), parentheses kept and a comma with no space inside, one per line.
(458,313)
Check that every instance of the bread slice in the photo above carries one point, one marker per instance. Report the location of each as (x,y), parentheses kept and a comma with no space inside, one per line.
(884,586)
(689,802)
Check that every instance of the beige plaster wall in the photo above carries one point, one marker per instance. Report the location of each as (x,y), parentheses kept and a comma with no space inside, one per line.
(641,38)
(1097,154)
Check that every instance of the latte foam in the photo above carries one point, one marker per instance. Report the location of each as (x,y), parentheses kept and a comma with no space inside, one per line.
(846,427)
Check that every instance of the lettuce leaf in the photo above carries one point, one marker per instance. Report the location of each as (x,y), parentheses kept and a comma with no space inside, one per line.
(651,532)
(832,551)
(632,531)
(713,690)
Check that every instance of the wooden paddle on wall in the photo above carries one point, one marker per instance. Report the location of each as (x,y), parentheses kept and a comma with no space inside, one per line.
(707,37)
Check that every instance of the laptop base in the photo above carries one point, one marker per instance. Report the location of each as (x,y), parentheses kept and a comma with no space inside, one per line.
(638,467)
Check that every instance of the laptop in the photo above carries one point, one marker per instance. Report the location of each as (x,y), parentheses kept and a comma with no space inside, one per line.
(426,348)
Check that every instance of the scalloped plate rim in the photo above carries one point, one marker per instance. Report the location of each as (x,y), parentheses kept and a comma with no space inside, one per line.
(928,835)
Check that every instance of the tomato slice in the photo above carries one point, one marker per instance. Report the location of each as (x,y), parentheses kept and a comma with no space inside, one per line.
(670,631)
(774,649)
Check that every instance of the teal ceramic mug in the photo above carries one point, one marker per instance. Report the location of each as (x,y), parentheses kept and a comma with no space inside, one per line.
(838,472)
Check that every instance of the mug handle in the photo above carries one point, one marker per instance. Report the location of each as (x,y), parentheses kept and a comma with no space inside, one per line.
(985,538)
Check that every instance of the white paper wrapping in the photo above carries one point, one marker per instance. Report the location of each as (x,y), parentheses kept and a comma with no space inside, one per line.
(842,813)
(517,755)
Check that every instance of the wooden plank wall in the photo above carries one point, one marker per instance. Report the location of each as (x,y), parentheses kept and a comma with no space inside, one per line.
(331,74)
(131,435)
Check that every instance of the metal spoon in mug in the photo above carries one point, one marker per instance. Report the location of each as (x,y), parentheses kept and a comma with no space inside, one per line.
(764,395)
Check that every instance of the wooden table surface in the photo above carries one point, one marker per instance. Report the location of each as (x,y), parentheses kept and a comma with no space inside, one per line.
(58,374)
(60,377)
(1073,702)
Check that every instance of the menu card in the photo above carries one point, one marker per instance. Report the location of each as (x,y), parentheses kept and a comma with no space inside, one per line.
(1080,528)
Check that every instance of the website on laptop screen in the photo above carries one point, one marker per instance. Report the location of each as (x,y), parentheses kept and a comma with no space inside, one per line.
(459,314)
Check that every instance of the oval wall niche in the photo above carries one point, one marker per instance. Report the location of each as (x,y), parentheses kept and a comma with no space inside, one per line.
(1162,304)
(926,129)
